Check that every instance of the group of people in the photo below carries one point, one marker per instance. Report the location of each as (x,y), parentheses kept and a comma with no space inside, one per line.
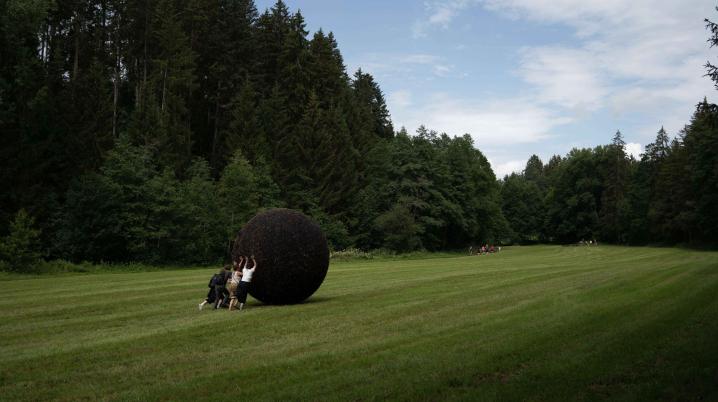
(485,249)
(230,286)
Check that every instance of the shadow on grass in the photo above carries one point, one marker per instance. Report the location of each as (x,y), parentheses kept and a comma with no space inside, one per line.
(255,304)
(312,300)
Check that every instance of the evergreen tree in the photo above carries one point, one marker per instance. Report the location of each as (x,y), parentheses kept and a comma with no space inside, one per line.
(572,206)
(713,40)
(20,249)
(245,133)
(370,103)
(161,121)
(614,207)
(701,143)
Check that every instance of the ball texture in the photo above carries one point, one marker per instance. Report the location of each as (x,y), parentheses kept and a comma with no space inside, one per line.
(291,253)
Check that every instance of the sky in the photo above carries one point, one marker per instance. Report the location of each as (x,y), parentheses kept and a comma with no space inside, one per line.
(527,77)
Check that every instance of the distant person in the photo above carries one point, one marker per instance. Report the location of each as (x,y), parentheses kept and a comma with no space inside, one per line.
(491,249)
(244,283)
(234,281)
(212,295)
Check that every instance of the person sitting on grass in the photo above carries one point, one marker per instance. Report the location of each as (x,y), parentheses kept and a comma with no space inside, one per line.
(234,281)
(213,296)
(243,288)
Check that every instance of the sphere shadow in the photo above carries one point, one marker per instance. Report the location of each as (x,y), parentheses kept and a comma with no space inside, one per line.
(312,300)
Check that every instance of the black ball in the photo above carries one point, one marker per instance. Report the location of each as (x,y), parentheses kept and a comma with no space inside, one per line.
(291,253)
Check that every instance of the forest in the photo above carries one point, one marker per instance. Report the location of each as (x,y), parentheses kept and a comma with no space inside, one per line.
(152,130)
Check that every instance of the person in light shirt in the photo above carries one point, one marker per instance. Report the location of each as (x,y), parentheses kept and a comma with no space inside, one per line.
(243,287)
(235,281)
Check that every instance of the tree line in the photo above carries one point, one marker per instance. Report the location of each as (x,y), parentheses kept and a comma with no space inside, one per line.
(152,130)
(667,197)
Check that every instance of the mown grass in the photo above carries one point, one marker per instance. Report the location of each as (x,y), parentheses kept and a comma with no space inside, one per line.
(530,323)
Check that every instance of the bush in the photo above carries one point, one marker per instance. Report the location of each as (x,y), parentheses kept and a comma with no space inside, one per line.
(350,254)
(20,249)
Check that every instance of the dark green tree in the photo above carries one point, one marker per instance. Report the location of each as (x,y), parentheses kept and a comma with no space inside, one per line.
(20,249)
(613,214)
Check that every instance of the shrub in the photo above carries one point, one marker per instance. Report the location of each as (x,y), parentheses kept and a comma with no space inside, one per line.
(20,249)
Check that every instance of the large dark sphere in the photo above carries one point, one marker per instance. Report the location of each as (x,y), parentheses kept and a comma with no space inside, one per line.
(291,253)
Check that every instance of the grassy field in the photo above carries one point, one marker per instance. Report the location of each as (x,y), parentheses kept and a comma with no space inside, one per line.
(530,323)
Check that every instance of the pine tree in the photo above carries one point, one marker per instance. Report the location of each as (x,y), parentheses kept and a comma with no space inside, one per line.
(614,207)
(701,143)
(658,149)
(245,133)
(370,100)
(713,40)
(162,119)
(328,74)
(20,249)
(273,26)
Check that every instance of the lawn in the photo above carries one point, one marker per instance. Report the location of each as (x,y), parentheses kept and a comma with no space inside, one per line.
(529,323)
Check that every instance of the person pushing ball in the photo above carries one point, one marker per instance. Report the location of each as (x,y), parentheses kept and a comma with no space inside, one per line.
(243,288)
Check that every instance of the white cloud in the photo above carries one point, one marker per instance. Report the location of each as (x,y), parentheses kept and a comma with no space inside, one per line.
(442,70)
(562,77)
(417,58)
(401,98)
(382,65)
(440,14)
(506,168)
(634,149)
(496,123)
(637,56)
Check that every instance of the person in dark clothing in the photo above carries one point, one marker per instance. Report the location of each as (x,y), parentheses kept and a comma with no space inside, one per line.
(217,291)
(220,287)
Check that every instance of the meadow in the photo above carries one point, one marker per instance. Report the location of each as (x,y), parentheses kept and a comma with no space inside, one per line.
(529,323)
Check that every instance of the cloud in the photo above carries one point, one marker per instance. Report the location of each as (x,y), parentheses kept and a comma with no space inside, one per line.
(632,57)
(442,70)
(634,149)
(417,58)
(439,14)
(495,123)
(400,99)
(404,64)
(561,76)
(627,57)
(506,168)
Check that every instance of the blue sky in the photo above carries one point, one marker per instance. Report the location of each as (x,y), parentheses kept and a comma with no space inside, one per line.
(528,76)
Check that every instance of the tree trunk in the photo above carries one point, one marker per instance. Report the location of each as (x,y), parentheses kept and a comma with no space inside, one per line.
(144,57)
(164,86)
(215,139)
(115,88)
(76,62)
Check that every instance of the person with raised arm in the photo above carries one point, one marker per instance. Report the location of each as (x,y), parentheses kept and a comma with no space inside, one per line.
(235,280)
(243,288)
